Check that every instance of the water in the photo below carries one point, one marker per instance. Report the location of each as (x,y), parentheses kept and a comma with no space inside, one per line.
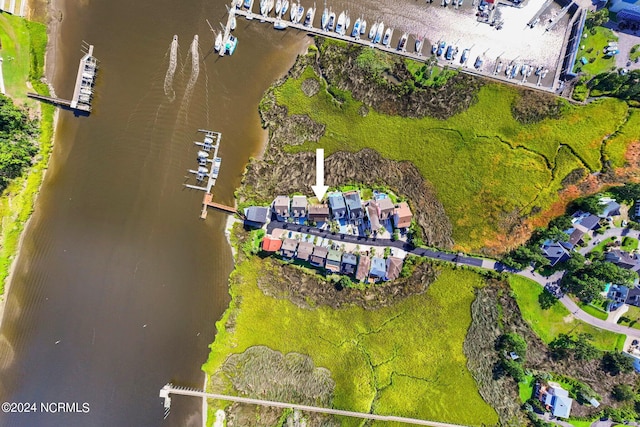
(119,282)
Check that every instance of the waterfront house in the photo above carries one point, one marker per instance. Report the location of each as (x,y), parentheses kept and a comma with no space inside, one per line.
(611,208)
(617,296)
(556,399)
(349,263)
(289,247)
(378,268)
(372,212)
(319,213)
(256,216)
(269,244)
(364,264)
(305,249)
(402,215)
(585,221)
(299,207)
(281,207)
(623,259)
(354,206)
(555,252)
(319,256)
(337,206)
(394,267)
(334,258)
(386,209)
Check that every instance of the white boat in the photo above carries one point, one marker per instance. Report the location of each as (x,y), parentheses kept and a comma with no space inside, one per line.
(278,6)
(264,7)
(308,20)
(280,24)
(434,48)
(363,27)
(356,29)
(387,37)
(230,45)
(233,23)
(299,14)
(285,7)
(419,43)
(340,24)
(379,33)
(347,22)
(271,3)
(324,21)
(293,11)
(332,21)
(373,30)
(218,43)
(402,43)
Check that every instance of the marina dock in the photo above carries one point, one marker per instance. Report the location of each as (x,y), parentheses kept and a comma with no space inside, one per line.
(83,91)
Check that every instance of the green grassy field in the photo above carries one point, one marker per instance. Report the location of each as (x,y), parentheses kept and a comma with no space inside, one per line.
(498,165)
(410,354)
(548,324)
(616,146)
(16,65)
(16,202)
(629,244)
(525,388)
(593,310)
(599,248)
(632,313)
(596,43)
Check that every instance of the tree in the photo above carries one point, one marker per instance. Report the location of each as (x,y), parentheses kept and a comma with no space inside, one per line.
(561,346)
(513,342)
(623,392)
(616,363)
(514,370)
(597,18)
(583,349)
(589,204)
(561,223)
(546,299)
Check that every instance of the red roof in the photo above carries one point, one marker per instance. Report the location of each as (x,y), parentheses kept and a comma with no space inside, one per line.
(270,244)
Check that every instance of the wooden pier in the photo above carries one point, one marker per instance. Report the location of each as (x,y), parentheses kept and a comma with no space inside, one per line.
(250,15)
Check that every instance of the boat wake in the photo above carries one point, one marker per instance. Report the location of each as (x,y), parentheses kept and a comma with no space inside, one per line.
(171,71)
(193,78)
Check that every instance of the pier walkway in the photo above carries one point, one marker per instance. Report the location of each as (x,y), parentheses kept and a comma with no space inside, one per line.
(169,389)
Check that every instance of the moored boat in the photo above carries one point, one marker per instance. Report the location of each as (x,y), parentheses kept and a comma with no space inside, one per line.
(308,20)
(299,14)
(356,29)
(278,7)
(332,21)
(387,37)
(218,43)
(379,32)
(247,4)
(324,20)
(232,26)
(402,43)
(264,7)
(340,23)
(230,45)
(280,24)
(418,47)
(271,3)
(293,11)
(285,6)
(363,27)
(373,30)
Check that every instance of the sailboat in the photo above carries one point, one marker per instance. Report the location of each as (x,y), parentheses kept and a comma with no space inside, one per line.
(271,3)
(373,30)
(379,32)
(278,7)
(232,26)
(332,21)
(387,37)
(402,43)
(324,21)
(299,13)
(363,27)
(285,6)
(311,13)
(218,43)
(356,29)
(347,22)
(340,24)
(293,11)
(264,7)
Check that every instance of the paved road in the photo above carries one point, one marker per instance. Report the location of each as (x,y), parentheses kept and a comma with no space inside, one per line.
(485,263)
(612,232)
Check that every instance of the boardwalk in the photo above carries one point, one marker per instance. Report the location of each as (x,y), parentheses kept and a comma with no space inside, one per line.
(170,389)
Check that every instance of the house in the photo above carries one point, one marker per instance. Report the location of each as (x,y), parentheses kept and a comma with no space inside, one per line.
(402,216)
(319,256)
(633,298)
(333,261)
(289,247)
(556,399)
(299,207)
(281,207)
(378,268)
(354,206)
(256,216)
(636,211)
(372,212)
(622,259)
(555,252)
(305,249)
(576,237)
(319,213)
(349,263)
(385,209)
(269,244)
(362,272)
(617,296)
(394,267)
(337,206)
(611,208)
(585,221)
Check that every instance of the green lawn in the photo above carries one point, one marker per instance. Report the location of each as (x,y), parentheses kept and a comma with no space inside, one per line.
(498,165)
(593,310)
(634,53)
(411,352)
(548,324)
(599,248)
(581,423)
(16,40)
(596,43)
(525,388)
(616,146)
(632,313)
(629,244)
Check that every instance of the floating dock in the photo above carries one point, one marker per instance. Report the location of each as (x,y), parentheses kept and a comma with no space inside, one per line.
(83,91)
(211,142)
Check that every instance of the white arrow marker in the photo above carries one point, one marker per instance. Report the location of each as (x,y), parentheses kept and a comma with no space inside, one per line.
(319,189)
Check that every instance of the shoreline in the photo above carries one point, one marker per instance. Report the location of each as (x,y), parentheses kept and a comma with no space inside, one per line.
(52,31)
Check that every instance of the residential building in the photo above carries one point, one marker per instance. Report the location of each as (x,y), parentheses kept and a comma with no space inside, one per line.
(625,10)
(385,209)
(319,213)
(334,258)
(256,216)
(337,206)
(281,207)
(372,212)
(394,267)
(299,207)
(364,264)
(633,298)
(354,206)
(636,211)
(289,247)
(585,221)
(555,252)
(576,237)
(402,215)
(617,296)
(269,244)
(319,256)
(349,263)
(611,208)
(556,399)
(305,249)
(623,259)
(378,268)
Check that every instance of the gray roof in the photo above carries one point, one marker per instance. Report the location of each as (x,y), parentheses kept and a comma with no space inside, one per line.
(258,214)
(610,208)
(562,406)
(304,250)
(590,222)
(554,252)
(353,200)
(299,202)
(336,201)
(378,267)
(320,251)
(289,245)
(348,258)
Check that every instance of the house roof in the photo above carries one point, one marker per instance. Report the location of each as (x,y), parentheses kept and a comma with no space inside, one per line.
(352,199)
(336,201)
(372,210)
(590,222)
(561,406)
(270,244)
(378,267)
(320,251)
(322,209)
(257,214)
(299,202)
(610,208)
(618,292)
(404,215)
(304,250)
(624,259)
(281,202)
(334,255)
(364,263)
(554,252)
(348,258)
(289,245)
(386,206)
(575,236)
(394,267)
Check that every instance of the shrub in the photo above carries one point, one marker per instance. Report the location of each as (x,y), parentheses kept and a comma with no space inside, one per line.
(623,392)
